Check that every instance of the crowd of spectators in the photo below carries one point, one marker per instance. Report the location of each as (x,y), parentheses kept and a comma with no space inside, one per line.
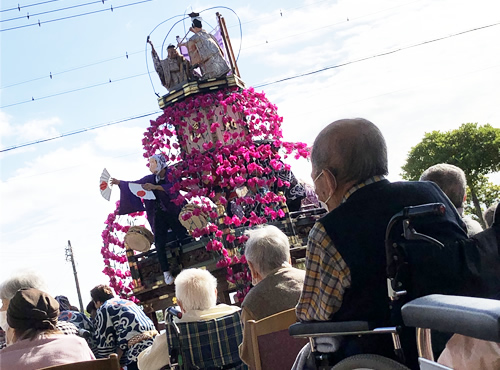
(344,277)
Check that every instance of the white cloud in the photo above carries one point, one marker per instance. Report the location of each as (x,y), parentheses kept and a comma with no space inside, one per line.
(55,198)
(435,86)
(120,137)
(38,129)
(5,127)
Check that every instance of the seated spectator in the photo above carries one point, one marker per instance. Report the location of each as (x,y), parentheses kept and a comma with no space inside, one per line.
(461,352)
(488,244)
(451,180)
(121,327)
(69,314)
(8,289)
(25,280)
(277,285)
(346,259)
(464,353)
(196,292)
(92,311)
(3,340)
(489,214)
(36,342)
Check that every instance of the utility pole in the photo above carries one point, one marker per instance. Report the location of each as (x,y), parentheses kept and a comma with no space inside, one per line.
(70,258)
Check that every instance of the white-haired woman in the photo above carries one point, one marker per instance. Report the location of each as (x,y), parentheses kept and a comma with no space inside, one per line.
(196,292)
(36,341)
(9,288)
(25,280)
(277,285)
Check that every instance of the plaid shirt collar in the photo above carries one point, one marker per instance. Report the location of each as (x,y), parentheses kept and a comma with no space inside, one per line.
(371,180)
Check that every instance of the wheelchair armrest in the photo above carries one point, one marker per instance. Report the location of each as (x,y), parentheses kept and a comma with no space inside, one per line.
(473,317)
(330,328)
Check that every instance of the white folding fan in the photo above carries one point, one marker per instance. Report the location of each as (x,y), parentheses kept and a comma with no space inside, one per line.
(104,184)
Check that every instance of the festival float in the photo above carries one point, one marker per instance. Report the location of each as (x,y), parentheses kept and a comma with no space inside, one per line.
(223,142)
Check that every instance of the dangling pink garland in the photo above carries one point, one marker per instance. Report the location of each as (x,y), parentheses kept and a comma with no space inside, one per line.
(237,118)
(115,259)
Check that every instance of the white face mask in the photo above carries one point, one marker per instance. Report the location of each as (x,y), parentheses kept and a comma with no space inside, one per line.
(324,204)
(321,203)
(3,321)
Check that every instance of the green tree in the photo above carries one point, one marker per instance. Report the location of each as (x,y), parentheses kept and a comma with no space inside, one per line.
(475,149)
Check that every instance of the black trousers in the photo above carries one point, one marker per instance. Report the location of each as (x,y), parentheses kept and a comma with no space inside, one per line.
(164,221)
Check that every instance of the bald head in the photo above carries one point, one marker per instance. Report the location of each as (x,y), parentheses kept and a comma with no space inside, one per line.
(352,149)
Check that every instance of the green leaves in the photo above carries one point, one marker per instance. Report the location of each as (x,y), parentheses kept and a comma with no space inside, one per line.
(475,149)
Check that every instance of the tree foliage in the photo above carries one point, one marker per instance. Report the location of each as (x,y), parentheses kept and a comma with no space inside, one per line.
(475,149)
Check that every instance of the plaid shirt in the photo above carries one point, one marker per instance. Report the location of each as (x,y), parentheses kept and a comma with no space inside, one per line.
(327,274)
(211,343)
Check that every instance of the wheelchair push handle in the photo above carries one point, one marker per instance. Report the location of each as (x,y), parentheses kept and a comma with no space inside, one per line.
(406,216)
(424,210)
(172,311)
(409,213)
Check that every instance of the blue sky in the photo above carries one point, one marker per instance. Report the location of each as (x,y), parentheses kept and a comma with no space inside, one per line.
(49,190)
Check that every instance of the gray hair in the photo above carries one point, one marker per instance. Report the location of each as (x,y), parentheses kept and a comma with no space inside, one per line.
(451,180)
(351,149)
(22,280)
(489,213)
(267,248)
(195,288)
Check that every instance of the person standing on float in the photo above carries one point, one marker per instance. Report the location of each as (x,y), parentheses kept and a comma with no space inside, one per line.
(204,51)
(161,212)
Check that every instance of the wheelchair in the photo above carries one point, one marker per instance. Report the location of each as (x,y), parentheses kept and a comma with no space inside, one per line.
(210,344)
(414,310)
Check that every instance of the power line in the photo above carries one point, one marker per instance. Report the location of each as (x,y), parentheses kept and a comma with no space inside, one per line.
(74,16)
(250,21)
(135,52)
(52,11)
(157,112)
(290,77)
(375,56)
(80,131)
(341,104)
(26,6)
(328,26)
(72,69)
(30,175)
(281,13)
(74,90)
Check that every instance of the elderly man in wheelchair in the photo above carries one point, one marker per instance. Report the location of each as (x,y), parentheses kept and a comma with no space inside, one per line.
(360,251)
(202,335)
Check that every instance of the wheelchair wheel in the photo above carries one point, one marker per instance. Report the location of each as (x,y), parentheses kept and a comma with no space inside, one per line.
(368,362)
